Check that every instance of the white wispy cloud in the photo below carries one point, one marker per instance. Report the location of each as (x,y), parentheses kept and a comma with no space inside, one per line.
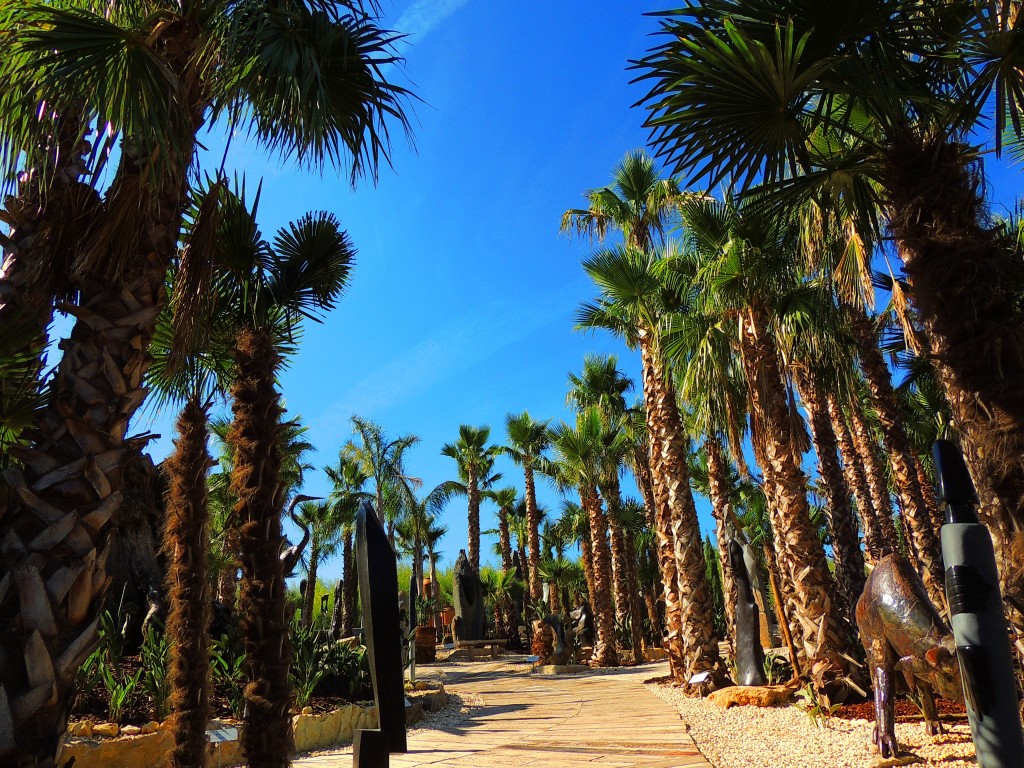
(422,16)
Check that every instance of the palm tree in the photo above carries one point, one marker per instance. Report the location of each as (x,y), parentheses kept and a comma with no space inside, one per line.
(603,386)
(575,524)
(527,441)
(383,461)
(776,91)
(196,376)
(347,481)
(505,499)
(638,295)
(576,464)
(154,76)
(326,523)
(475,460)
(748,271)
(302,273)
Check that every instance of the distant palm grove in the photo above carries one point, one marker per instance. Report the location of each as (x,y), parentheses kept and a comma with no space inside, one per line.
(804,259)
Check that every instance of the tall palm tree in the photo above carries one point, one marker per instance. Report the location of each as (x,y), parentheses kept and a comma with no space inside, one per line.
(383,460)
(301,273)
(347,480)
(505,499)
(475,461)
(576,464)
(776,91)
(527,441)
(603,386)
(748,269)
(639,292)
(155,75)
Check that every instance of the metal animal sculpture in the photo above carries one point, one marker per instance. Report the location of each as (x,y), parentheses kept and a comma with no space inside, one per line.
(902,630)
(290,555)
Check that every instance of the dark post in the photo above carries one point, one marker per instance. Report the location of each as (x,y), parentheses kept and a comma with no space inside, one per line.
(378,591)
(749,654)
(976,615)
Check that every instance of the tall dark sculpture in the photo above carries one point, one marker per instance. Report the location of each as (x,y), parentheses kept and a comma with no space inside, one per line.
(583,623)
(378,590)
(749,654)
(469,602)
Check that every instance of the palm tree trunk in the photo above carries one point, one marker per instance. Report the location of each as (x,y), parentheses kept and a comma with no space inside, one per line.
(800,553)
(642,472)
(867,453)
(605,653)
(620,562)
(846,553)
(693,645)
(532,531)
(228,586)
(922,535)
(66,498)
(261,601)
(188,592)
(964,285)
(928,489)
(718,484)
(473,494)
(349,591)
(306,618)
(636,601)
(587,557)
(853,470)
(504,540)
(781,615)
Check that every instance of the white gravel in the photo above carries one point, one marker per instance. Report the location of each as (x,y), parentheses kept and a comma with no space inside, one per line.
(754,737)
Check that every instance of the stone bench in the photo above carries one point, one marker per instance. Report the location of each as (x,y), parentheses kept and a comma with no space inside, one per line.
(490,647)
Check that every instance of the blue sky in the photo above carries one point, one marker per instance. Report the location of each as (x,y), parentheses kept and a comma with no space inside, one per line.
(460,308)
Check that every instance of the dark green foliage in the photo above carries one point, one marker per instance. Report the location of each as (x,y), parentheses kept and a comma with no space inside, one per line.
(227,663)
(156,678)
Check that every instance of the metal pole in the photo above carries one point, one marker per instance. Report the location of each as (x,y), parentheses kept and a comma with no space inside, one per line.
(976,615)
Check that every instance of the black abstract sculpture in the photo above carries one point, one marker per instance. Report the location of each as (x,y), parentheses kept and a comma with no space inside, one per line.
(378,591)
(749,654)
(583,622)
(469,603)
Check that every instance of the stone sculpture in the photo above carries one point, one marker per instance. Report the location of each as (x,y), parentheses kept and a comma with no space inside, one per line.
(747,642)
(550,642)
(376,564)
(902,630)
(469,602)
(583,624)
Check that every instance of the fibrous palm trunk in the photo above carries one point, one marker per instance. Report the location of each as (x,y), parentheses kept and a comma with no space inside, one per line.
(188,591)
(922,536)
(532,530)
(718,484)
(867,453)
(65,500)
(306,617)
(692,644)
(605,652)
(587,558)
(349,590)
(642,472)
(853,470)
(473,494)
(261,601)
(504,540)
(620,564)
(846,553)
(635,598)
(800,553)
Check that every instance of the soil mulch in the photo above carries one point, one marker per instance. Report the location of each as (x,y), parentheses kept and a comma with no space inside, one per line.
(905,709)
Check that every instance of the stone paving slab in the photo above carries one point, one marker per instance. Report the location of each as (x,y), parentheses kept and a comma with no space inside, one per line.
(606,720)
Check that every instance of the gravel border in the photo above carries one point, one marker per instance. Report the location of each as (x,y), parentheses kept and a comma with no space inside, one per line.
(774,737)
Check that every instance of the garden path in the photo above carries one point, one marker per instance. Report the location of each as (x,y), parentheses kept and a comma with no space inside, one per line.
(606,720)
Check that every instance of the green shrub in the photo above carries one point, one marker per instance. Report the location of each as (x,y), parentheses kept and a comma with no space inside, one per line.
(122,691)
(156,678)
(227,666)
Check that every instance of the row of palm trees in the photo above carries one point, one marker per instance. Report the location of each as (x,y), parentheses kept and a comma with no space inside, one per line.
(102,108)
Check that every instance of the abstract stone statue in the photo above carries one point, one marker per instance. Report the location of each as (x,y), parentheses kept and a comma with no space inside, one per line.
(560,652)
(378,591)
(469,601)
(749,654)
(902,630)
(583,623)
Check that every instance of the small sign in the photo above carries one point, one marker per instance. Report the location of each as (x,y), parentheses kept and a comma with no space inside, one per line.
(222,734)
(700,677)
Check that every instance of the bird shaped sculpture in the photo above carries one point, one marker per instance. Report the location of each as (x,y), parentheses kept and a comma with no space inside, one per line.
(292,553)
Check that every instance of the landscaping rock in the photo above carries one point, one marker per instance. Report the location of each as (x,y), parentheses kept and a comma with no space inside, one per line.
(80,729)
(150,727)
(106,729)
(752,695)
(131,730)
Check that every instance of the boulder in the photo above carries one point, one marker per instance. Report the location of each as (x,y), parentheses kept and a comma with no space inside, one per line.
(752,696)
(106,729)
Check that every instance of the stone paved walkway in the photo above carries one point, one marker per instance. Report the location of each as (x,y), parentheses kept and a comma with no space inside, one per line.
(537,721)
